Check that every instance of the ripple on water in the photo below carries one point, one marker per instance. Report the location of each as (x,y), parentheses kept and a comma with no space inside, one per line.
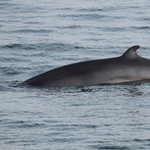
(36,37)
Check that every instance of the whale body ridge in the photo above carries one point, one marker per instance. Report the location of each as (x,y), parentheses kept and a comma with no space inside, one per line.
(127,68)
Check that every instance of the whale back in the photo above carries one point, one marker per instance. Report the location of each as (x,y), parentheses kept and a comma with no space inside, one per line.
(126,68)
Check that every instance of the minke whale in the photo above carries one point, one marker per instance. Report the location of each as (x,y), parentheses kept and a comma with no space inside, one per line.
(129,67)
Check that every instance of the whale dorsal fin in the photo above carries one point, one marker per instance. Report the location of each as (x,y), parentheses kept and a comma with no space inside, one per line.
(131,52)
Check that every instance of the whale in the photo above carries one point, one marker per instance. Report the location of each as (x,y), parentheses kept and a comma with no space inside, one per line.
(128,67)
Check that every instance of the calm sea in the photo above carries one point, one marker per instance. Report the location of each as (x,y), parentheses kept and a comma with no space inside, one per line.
(38,35)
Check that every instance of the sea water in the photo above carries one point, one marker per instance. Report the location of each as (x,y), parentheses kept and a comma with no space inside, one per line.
(36,36)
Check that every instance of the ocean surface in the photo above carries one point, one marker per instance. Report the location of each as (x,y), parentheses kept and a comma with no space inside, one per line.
(39,35)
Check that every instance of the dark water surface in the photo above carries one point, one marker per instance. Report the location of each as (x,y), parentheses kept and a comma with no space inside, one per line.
(36,36)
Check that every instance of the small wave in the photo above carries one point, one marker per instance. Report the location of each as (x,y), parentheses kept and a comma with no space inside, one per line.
(33,31)
(84,126)
(141,140)
(65,8)
(114,29)
(72,126)
(71,27)
(43,46)
(142,28)
(109,147)
(10,71)
(62,140)
(85,16)
(10,59)
(20,124)
(145,19)
(91,9)
(30,125)
(18,46)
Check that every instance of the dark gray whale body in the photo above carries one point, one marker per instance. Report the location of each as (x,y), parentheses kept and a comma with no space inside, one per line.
(126,68)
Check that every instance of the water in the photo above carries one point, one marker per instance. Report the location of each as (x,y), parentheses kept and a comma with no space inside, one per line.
(37,36)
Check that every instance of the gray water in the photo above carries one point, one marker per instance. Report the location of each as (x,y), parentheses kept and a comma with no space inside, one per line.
(36,36)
